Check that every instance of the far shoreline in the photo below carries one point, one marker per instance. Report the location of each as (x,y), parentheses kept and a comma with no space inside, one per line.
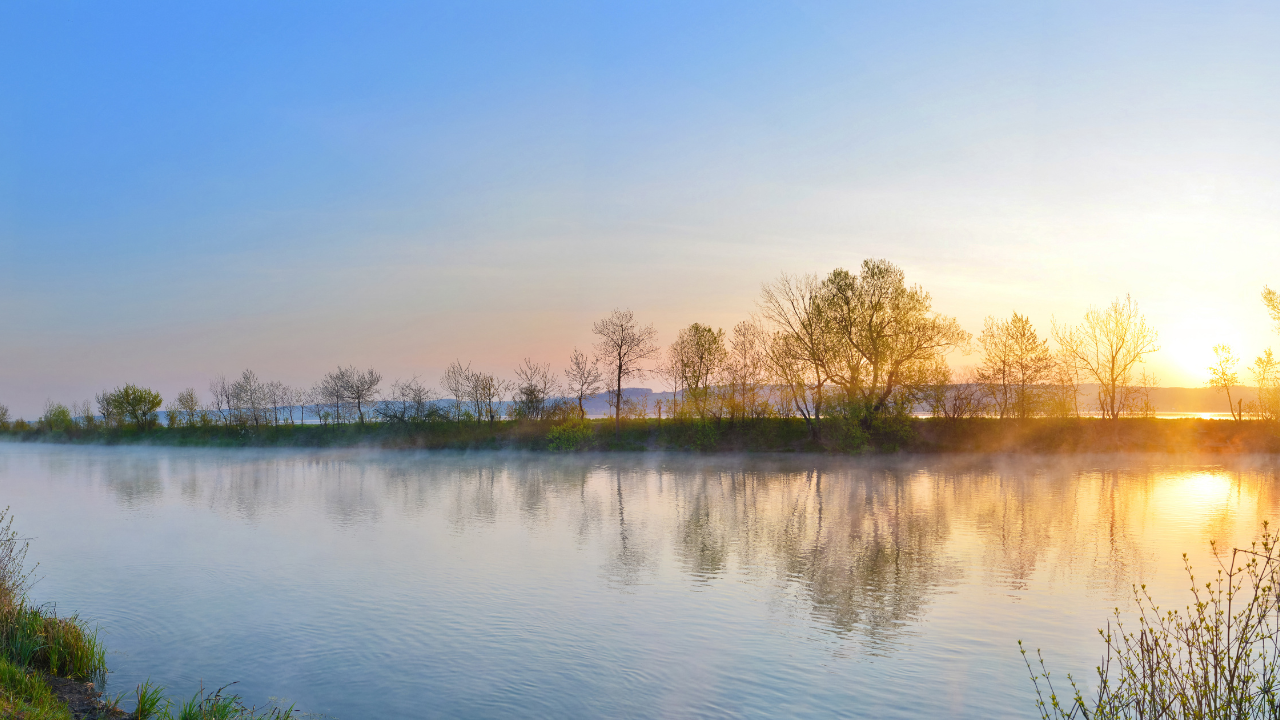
(923,436)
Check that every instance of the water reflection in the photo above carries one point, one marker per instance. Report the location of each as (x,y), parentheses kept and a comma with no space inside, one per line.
(860,547)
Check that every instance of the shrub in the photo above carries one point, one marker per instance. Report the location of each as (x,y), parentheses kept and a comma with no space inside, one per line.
(1216,658)
(570,436)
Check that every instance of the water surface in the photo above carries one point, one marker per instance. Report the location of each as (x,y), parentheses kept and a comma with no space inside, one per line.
(364,584)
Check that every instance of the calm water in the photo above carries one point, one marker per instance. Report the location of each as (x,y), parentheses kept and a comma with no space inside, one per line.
(376,585)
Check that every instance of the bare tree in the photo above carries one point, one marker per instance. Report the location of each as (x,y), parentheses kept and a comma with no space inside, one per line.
(1016,363)
(797,351)
(622,346)
(408,401)
(457,383)
(486,393)
(1223,376)
(744,375)
(584,378)
(1063,394)
(535,386)
(360,387)
(329,394)
(955,395)
(1106,347)
(249,399)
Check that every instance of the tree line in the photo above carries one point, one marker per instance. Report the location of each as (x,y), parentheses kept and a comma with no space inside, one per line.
(846,353)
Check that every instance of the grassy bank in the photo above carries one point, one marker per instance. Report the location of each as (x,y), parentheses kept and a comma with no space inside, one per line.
(51,665)
(927,435)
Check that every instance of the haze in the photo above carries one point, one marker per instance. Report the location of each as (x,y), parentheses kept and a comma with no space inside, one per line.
(190,189)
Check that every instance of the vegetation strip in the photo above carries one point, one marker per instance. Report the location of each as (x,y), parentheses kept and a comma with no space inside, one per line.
(851,357)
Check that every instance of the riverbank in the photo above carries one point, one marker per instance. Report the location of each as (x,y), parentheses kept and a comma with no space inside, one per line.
(916,435)
(51,666)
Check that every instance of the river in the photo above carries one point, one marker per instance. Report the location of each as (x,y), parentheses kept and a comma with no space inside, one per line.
(382,584)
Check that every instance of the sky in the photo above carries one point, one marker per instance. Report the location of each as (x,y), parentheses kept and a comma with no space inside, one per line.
(195,188)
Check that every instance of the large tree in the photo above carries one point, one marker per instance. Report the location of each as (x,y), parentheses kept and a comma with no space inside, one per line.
(885,336)
(1107,346)
(622,345)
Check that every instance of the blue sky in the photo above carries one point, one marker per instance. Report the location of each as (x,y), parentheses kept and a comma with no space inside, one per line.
(194,188)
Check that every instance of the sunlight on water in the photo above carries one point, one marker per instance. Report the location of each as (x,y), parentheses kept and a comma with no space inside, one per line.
(372,584)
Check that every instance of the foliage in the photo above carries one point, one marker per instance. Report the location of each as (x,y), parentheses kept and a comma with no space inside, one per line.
(130,404)
(1016,363)
(570,436)
(57,417)
(1216,658)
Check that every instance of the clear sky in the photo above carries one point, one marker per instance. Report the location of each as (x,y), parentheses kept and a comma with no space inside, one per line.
(189,188)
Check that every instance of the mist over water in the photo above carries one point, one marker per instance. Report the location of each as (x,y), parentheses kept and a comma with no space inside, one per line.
(390,584)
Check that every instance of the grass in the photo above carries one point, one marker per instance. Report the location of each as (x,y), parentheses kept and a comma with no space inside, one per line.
(36,643)
(24,694)
(1217,658)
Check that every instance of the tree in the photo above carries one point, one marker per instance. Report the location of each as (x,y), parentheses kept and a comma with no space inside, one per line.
(1223,376)
(696,358)
(4,416)
(954,396)
(57,417)
(134,404)
(622,346)
(1266,375)
(486,393)
(744,376)
(329,394)
(248,399)
(535,386)
(408,401)
(1015,364)
(107,409)
(798,349)
(184,410)
(584,378)
(1106,347)
(359,387)
(1271,299)
(456,382)
(884,335)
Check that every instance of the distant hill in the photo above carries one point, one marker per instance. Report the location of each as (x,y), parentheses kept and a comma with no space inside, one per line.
(1173,399)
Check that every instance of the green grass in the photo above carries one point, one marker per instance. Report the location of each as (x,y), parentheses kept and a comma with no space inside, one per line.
(25,695)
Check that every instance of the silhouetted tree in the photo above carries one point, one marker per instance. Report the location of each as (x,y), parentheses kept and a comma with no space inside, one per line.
(1015,364)
(1223,376)
(1106,347)
(622,346)
(584,378)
